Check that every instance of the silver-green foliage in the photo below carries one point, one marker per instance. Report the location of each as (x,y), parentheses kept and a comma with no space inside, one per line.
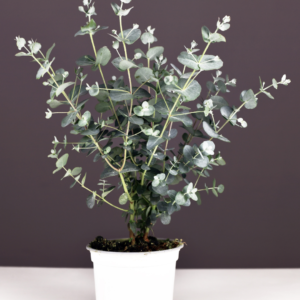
(134,141)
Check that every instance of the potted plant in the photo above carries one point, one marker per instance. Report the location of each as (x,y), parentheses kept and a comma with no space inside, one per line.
(135,120)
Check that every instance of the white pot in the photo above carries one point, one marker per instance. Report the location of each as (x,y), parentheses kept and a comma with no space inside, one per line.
(134,276)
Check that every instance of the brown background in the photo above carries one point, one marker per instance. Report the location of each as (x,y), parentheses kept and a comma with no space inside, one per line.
(254,224)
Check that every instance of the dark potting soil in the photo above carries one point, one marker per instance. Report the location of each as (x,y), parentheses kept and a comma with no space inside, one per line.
(140,246)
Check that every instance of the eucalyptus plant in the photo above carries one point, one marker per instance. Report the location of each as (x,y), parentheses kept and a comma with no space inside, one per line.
(134,121)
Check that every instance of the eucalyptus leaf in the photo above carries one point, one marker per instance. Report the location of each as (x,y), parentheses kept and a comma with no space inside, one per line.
(136,120)
(205,34)
(139,93)
(62,87)
(201,162)
(68,119)
(216,38)
(268,94)
(120,96)
(22,54)
(192,157)
(191,92)
(126,64)
(199,198)
(210,62)
(83,179)
(49,52)
(141,52)
(116,62)
(162,107)
(161,190)
(211,87)
(85,60)
(189,60)
(130,36)
(154,52)
(90,201)
(62,161)
(210,131)
(180,199)
(143,74)
(249,98)
(147,38)
(123,199)
(89,27)
(214,191)
(103,56)
(221,188)
(154,141)
(219,102)
(181,118)
(76,171)
(54,103)
(176,69)
(102,107)
(107,191)
(165,218)
(226,112)
(222,86)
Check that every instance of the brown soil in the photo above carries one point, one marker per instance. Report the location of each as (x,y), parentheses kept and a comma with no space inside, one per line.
(141,246)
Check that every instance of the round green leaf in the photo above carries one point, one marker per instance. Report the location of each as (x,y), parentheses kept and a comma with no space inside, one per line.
(126,64)
(216,38)
(62,87)
(90,201)
(210,62)
(226,112)
(62,161)
(221,188)
(249,98)
(180,199)
(123,199)
(165,218)
(130,35)
(103,56)
(94,90)
(205,34)
(76,171)
(138,110)
(102,107)
(191,61)
(147,38)
(143,74)
(190,93)
(155,52)
(218,101)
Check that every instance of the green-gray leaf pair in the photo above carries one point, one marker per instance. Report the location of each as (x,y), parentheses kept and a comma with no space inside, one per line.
(209,37)
(144,110)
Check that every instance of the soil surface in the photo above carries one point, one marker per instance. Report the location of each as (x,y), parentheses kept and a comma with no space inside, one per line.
(141,246)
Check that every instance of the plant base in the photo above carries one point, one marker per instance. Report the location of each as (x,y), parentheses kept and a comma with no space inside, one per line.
(153,244)
(135,275)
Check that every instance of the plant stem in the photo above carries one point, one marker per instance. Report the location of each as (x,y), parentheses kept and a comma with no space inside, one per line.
(100,70)
(78,115)
(235,112)
(131,206)
(96,194)
(170,114)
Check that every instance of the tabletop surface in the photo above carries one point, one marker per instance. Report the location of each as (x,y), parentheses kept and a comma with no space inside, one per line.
(190,284)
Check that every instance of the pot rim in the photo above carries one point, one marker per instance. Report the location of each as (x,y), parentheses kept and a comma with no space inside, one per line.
(179,247)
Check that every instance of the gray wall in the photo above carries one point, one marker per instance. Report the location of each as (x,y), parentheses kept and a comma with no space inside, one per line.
(254,224)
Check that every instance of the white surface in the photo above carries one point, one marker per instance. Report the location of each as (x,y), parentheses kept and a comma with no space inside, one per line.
(78,284)
(116,272)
